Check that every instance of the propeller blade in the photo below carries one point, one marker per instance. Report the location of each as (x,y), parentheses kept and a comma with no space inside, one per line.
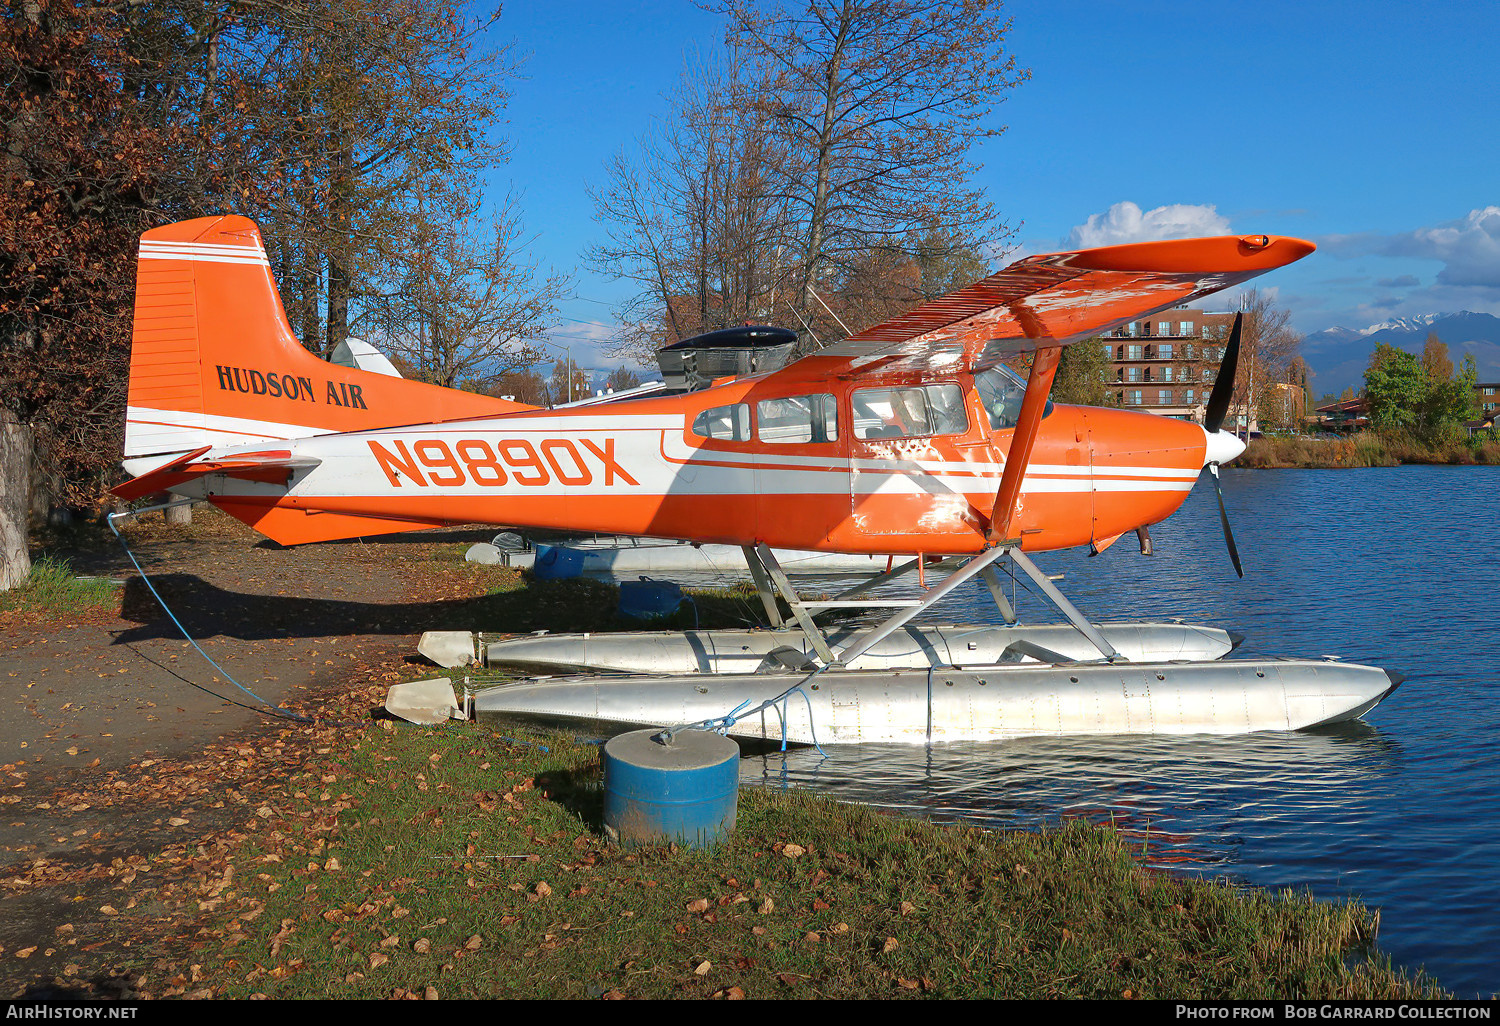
(1234,553)
(1223,391)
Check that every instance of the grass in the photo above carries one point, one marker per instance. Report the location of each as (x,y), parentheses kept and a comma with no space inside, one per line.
(1370,449)
(52,590)
(471,864)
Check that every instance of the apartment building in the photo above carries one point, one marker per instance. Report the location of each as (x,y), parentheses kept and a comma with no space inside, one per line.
(1166,363)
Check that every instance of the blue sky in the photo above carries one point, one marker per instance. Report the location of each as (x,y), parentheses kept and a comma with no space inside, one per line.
(1369,128)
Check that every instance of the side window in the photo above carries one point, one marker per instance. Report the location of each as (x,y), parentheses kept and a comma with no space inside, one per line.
(945,407)
(1001,390)
(803,418)
(729,423)
(909,412)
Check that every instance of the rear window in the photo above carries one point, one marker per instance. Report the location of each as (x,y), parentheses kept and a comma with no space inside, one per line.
(797,419)
(730,423)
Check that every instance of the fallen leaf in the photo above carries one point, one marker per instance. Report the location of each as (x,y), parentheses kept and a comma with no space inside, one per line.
(702,968)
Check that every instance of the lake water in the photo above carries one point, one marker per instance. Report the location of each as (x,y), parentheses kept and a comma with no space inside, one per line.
(1392,567)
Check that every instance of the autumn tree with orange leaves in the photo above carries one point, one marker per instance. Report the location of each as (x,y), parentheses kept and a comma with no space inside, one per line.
(317,118)
(108,113)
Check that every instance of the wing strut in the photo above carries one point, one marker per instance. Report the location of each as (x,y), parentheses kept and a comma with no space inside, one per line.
(1033,405)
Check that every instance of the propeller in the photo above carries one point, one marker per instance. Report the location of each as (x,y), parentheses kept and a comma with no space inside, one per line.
(1213,420)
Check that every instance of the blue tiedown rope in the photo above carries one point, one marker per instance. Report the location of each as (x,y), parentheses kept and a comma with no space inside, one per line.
(163,603)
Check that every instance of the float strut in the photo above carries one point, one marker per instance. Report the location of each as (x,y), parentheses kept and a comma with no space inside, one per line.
(861,644)
(763,585)
(1069,610)
(804,618)
(992,581)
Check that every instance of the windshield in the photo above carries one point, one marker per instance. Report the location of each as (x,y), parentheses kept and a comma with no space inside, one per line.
(1001,391)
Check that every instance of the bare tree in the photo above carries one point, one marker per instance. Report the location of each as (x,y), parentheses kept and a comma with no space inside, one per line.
(877,105)
(460,307)
(1268,346)
(690,217)
(357,101)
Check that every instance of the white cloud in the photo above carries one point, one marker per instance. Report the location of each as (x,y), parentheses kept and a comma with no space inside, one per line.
(1125,222)
(1468,248)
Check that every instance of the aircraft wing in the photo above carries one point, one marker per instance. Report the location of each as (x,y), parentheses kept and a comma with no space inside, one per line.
(272,466)
(1053,300)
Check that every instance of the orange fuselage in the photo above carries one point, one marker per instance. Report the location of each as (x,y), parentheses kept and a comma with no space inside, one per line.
(651,467)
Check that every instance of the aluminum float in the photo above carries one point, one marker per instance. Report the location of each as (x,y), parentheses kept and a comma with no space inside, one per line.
(748,651)
(938,705)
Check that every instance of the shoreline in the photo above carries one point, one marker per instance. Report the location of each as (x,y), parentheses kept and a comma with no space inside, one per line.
(1364,450)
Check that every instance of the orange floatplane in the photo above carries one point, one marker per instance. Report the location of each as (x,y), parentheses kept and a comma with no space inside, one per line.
(912,438)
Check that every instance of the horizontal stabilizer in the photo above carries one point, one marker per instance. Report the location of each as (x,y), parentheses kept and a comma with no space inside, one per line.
(273,466)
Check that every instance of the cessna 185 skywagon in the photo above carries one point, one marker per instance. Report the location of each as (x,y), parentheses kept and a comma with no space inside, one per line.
(912,438)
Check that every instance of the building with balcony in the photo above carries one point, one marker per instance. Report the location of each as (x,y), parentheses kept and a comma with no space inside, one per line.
(1166,363)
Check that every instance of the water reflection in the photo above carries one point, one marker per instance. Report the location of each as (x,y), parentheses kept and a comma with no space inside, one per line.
(1389,567)
(1184,800)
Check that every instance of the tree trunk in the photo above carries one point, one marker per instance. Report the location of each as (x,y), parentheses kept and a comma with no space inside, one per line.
(180,515)
(341,246)
(15,483)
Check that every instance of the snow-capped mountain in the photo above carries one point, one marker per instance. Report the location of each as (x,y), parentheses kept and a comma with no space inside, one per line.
(1404,323)
(1338,356)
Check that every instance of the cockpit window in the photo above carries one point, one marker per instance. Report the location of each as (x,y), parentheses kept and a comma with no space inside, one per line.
(1001,391)
(907,412)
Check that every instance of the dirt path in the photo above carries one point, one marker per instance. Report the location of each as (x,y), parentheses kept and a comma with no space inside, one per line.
(129,762)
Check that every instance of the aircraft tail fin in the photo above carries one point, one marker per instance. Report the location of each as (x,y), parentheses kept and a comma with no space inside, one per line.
(214,361)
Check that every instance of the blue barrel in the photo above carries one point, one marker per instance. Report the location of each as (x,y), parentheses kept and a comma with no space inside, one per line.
(649,600)
(555,562)
(686,791)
